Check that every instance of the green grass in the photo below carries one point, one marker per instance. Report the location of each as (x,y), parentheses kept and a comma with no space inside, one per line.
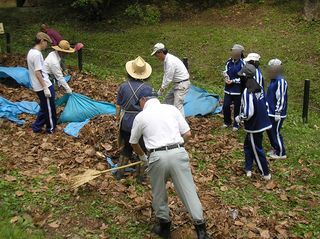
(271,30)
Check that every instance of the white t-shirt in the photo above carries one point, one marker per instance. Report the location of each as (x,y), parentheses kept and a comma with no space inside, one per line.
(159,124)
(36,63)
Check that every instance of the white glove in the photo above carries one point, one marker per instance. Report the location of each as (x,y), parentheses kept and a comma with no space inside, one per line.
(159,92)
(277,117)
(47,92)
(143,158)
(66,87)
(238,119)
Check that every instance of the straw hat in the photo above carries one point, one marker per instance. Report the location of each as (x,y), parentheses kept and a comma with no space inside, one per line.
(138,68)
(64,46)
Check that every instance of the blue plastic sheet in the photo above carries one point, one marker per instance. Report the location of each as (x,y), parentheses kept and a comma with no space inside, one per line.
(11,110)
(73,128)
(199,102)
(19,74)
(78,108)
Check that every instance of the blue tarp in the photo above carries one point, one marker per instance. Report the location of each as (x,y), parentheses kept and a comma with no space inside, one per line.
(78,108)
(73,128)
(20,75)
(199,102)
(11,111)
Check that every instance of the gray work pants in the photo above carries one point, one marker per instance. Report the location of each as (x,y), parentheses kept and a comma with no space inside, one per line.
(176,95)
(173,164)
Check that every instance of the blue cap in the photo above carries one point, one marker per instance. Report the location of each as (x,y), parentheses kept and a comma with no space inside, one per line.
(147,92)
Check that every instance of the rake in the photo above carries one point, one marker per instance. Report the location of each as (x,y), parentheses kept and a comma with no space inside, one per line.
(91,174)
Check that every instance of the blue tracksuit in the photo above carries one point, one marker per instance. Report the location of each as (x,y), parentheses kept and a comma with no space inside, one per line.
(277,98)
(259,78)
(254,113)
(232,91)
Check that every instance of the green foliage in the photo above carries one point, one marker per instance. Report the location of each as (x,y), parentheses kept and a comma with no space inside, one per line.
(143,14)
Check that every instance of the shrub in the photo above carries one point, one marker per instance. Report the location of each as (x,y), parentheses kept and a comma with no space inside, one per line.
(143,14)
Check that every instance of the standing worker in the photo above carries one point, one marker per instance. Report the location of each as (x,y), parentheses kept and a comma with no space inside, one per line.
(277,100)
(174,71)
(232,90)
(54,35)
(42,85)
(255,116)
(164,132)
(254,59)
(128,107)
(52,63)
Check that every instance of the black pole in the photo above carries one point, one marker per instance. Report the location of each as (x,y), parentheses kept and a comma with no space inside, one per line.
(80,60)
(185,62)
(306,101)
(8,41)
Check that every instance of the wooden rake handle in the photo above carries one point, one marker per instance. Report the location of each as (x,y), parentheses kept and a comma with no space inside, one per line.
(120,167)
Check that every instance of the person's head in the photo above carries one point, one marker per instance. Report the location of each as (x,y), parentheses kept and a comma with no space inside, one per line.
(44,27)
(138,69)
(41,40)
(247,74)
(159,51)
(145,95)
(237,52)
(274,68)
(63,48)
(253,59)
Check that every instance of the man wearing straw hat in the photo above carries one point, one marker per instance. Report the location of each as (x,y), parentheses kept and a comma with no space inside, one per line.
(128,107)
(174,71)
(42,85)
(52,63)
(164,131)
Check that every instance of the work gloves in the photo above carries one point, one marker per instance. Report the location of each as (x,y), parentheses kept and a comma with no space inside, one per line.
(160,92)
(238,119)
(277,117)
(144,159)
(47,93)
(66,87)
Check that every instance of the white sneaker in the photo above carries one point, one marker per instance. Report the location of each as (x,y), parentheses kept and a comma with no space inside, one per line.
(249,174)
(235,129)
(267,177)
(275,156)
(224,126)
(270,152)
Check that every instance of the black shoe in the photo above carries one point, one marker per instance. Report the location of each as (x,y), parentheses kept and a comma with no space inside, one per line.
(162,229)
(201,231)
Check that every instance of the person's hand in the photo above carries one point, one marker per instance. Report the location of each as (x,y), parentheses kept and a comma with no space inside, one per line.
(160,91)
(229,82)
(144,159)
(46,92)
(68,90)
(238,119)
(277,117)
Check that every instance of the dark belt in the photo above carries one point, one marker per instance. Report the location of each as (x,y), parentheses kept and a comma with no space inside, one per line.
(164,148)
(182,81)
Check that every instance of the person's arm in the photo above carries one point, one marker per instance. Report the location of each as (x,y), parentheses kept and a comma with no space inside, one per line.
(247,107)
(57,72)
(280,93)
(184,128)
(187,136)
(136,134)
(118,110)
(40,78)
(168,75)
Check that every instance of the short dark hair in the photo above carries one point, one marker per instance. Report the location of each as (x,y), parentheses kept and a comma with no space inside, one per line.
(164,51)
(37,41)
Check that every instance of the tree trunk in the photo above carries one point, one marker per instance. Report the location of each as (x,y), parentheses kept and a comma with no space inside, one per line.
(312,10)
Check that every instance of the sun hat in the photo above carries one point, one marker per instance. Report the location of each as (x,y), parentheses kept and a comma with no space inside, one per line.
(247,70)
(64,46)
(237,47)
(138,68)
(157,47)
(274,63)
(252,57)
(43,36)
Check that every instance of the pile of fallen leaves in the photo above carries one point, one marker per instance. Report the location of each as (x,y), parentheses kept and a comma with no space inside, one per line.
(31,154)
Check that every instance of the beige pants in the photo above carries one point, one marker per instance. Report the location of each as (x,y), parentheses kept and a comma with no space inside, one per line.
(176,95)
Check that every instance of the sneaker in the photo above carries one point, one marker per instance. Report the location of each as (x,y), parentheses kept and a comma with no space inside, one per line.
(224,126)
(275,156)
(235,129)
(267,177)
(249,174)
(270,152)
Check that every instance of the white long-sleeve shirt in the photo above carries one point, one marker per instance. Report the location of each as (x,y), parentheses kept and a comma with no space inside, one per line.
(52,66)
(174,70)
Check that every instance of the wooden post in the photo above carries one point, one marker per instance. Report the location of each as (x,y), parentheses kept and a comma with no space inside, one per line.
(306,94)
(185,62)
(8,42)
(80,60)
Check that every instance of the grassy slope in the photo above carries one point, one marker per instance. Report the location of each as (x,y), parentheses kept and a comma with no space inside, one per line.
(273,31)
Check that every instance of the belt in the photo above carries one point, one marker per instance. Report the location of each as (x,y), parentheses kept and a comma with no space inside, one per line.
(131,112)
(182,81)
(164,148)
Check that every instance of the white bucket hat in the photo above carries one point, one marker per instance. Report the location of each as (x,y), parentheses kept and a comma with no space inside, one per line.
(138,68)
(237,47)
(274,63)
(252,57)
(157,47)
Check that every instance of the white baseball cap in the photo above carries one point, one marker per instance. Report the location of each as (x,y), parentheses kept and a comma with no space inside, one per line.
(157,47)
(252,57)
(274,63)
(237,47)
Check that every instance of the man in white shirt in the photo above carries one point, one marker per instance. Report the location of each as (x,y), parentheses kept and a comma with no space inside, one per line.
(164,131)
(42,85)
(52,63)
(174,71)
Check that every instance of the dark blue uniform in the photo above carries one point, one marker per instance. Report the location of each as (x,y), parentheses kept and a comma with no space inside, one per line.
(232,92)
(277,98)
(254,113)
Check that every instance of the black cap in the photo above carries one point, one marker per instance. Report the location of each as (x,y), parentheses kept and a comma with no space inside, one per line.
(248,70)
